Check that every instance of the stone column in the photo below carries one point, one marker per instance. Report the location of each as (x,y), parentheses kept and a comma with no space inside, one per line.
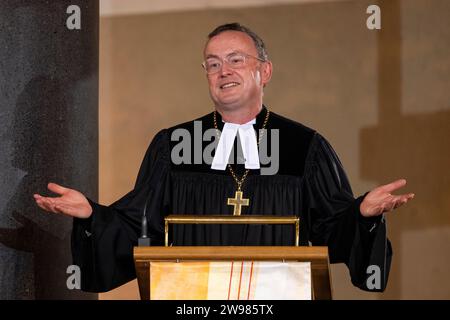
(48,132)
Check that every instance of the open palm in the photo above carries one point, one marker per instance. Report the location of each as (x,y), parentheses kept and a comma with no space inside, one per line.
(69,202)
(380,199)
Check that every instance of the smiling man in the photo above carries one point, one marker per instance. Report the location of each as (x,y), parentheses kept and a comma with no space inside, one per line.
(310,182)
(237,72)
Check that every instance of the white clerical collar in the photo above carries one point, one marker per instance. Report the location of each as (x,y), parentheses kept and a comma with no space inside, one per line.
(248,141)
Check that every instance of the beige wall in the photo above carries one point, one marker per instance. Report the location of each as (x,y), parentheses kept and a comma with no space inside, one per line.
(381,97)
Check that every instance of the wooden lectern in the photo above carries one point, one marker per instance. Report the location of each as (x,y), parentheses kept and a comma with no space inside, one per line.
(317,256)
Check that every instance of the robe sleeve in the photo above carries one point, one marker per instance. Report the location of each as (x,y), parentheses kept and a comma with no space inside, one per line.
(102,245)
(334,220)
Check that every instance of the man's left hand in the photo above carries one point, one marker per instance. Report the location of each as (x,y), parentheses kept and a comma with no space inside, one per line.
(380,199)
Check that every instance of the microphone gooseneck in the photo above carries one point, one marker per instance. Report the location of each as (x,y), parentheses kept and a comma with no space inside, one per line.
(144,240)
(144,223)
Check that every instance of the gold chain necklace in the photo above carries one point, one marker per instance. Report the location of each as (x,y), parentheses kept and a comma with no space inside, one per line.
(238,201)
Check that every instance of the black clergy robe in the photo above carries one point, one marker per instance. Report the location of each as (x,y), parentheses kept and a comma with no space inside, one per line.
(310,183)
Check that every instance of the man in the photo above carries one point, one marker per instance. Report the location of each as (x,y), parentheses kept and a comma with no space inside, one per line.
(310,182)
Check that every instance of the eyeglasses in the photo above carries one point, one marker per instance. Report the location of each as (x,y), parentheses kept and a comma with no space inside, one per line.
(235,60)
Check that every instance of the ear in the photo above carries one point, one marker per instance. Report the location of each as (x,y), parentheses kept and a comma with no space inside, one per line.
(266,72)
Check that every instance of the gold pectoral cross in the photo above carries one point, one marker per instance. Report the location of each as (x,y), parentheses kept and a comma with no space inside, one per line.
(238,201)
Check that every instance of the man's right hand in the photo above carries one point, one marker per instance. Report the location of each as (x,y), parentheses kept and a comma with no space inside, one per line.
(70,202)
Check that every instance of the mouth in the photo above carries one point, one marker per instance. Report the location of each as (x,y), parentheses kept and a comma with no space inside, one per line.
(229,85)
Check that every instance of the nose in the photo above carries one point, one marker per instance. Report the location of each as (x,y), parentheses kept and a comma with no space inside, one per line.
(225,70)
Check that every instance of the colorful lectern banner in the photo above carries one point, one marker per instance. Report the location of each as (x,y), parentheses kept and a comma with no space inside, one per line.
(259,280)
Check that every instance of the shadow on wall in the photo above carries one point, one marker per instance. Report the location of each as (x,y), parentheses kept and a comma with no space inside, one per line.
(38,135)
(414,147)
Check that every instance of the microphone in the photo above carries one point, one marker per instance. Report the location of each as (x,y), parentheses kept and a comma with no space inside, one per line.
(144,240)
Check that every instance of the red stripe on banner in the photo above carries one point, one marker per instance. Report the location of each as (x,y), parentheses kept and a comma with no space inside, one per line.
(240,279)
(250,281)
(231,276)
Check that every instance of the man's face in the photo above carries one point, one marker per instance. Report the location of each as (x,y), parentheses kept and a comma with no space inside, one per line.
(232,88)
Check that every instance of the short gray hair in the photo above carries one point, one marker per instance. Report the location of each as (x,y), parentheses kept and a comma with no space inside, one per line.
(235,26)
